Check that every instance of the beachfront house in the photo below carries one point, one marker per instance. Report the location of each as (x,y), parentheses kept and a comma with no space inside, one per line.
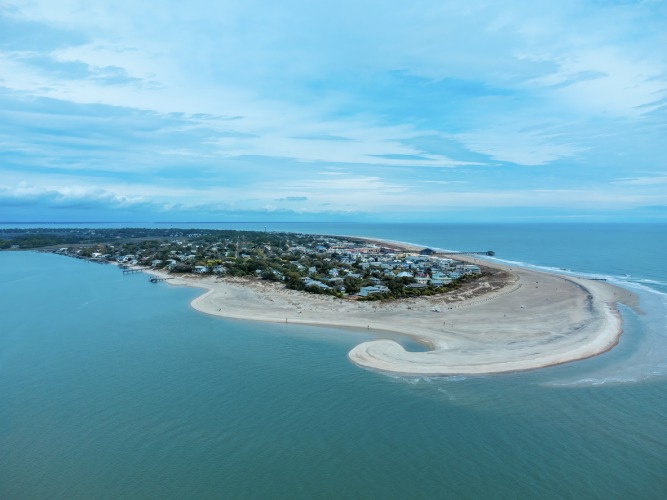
(440,282)
(200,269)
(471,269)
(365,291)
(316,284)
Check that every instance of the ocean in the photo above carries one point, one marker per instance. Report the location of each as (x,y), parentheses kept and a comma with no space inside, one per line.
(113,387)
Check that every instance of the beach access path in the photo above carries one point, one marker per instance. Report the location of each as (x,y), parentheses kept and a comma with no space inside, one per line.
(532,320)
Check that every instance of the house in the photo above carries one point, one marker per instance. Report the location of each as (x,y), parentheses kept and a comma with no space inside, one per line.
(316,284)
(200,269)
(365,291)
(471,269)
(219,269)
(422,280)
(440,282)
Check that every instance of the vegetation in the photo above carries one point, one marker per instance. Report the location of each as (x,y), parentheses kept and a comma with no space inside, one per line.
(317,264)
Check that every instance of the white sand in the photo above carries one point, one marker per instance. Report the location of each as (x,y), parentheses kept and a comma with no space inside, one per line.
(535,320)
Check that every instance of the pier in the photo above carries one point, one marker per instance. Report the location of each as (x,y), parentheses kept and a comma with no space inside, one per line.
(490,253)
(132,271)
(158,280)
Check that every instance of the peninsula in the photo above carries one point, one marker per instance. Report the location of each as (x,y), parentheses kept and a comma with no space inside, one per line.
(473,316)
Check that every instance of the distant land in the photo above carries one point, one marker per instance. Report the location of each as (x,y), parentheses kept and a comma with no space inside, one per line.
(343,267)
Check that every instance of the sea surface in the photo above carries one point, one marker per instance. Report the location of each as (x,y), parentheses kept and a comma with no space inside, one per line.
(113,387)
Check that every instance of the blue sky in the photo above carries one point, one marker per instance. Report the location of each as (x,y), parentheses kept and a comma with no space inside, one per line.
(305,110)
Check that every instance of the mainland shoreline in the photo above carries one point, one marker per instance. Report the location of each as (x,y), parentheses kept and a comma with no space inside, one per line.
(531,320)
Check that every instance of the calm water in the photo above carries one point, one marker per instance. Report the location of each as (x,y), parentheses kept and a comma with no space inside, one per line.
(112,387)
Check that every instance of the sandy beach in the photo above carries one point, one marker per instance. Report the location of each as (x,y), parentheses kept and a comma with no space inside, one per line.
(514,319)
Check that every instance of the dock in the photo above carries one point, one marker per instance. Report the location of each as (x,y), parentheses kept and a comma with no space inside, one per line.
(490,253)
(158,280)
(132,271)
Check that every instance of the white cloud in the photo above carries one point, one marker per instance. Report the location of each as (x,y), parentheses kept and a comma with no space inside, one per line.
(657,180)
(314,87)
(517,145)
(83,197)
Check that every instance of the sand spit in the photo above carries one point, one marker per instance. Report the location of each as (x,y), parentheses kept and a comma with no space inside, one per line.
(517,319)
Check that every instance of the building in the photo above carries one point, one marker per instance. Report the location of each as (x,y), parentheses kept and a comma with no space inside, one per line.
(365,291)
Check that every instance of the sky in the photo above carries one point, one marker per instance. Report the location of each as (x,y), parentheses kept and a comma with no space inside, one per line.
(387,111)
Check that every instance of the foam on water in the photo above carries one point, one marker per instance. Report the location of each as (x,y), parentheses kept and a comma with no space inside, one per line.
(416,379)
(642,351)
(645,333)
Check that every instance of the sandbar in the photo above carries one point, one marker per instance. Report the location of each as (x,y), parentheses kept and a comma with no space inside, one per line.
(519,319)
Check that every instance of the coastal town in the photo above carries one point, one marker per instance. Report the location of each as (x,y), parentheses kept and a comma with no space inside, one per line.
(344,267)
(472,316)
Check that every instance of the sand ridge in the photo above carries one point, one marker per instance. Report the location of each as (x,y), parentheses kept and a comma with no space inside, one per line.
(529,320)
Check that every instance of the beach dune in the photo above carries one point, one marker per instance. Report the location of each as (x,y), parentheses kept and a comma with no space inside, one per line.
(531,320)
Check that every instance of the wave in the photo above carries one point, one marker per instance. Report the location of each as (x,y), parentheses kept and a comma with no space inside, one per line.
(641,354)
(430,379)
(642,351)
(625,280)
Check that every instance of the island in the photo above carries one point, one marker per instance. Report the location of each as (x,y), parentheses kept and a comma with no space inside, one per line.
(472,315)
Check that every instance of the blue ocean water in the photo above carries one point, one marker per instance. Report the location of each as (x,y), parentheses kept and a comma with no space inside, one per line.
(113,387)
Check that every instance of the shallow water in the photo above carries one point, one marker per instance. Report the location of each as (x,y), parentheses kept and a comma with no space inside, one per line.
(111,386)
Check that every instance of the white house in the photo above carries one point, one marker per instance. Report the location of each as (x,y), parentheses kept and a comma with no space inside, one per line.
(471,269)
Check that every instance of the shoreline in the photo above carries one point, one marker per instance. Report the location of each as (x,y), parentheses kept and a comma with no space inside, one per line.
(535,320)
